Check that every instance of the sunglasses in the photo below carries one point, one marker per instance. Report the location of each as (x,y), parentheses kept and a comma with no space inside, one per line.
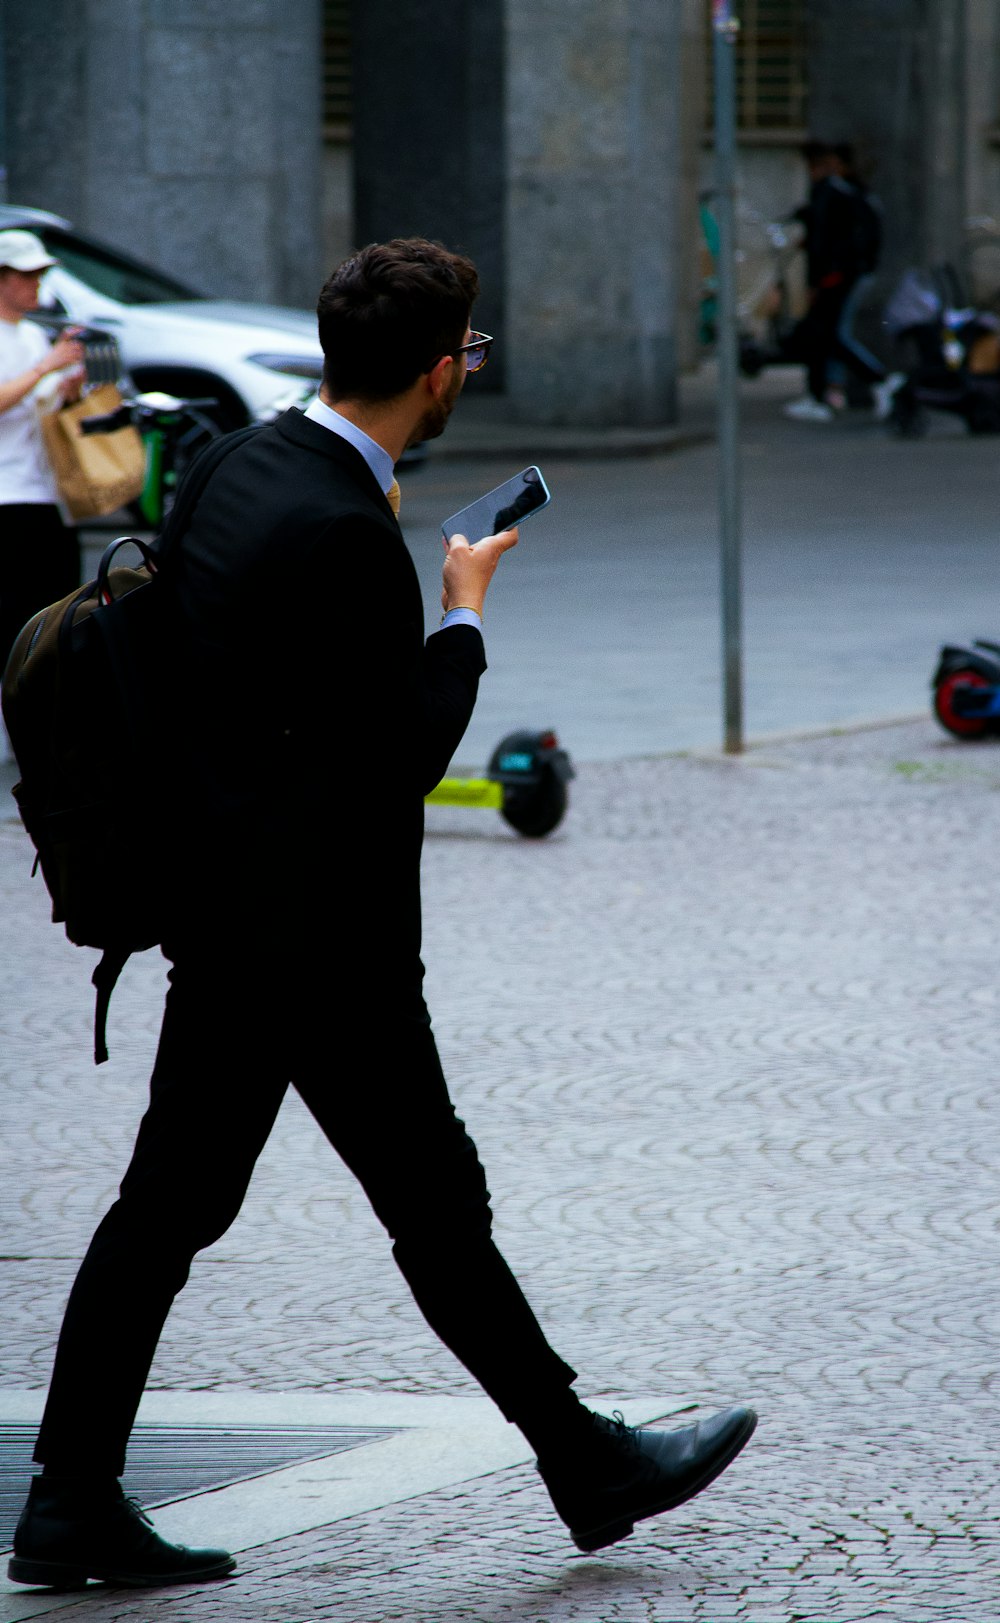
(476,351)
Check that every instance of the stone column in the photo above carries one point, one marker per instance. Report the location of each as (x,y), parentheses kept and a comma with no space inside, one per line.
(593,135)
(184,131)
(429,140)
(982,147)
(693,94)
(889,75)
(945,144)
(3,111)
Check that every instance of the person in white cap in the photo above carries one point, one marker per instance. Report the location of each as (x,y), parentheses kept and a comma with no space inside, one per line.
(39,554)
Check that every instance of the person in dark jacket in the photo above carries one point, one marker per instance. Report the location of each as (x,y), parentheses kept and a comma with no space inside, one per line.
(842,245)
(295,944)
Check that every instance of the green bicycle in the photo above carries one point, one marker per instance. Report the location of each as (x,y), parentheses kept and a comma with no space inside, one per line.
(173,431)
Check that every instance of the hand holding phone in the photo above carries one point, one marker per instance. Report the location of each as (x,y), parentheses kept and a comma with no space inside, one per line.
(501,509)
(468,570)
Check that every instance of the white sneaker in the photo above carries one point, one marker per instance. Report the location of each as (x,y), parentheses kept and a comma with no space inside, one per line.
(808,410)
(882,394)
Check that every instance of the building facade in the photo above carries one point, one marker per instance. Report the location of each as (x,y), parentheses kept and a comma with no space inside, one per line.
(245,145)
(184,131)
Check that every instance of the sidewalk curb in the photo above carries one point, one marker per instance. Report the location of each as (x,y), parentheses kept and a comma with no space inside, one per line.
(802,735)
(794,735)
(516,442)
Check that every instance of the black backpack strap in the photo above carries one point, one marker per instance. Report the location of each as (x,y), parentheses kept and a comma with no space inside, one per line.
(120,657)
(104,980)
(191,487)
(120,653)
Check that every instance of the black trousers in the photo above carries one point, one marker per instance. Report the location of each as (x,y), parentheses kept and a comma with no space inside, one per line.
(816,341)
(39,563)
(238,1027)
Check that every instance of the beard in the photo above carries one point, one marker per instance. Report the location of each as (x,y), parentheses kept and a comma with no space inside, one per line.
(435,419)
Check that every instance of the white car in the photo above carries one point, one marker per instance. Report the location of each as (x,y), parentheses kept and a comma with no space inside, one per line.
(251,358)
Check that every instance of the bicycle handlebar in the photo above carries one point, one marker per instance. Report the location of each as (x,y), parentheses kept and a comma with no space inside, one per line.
(108,422)
(145,408)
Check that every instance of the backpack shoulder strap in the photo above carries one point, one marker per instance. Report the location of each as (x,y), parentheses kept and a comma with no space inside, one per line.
(104,980)
(193,484)
(106,974)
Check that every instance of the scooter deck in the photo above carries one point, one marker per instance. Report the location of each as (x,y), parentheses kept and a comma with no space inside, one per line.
(467,792)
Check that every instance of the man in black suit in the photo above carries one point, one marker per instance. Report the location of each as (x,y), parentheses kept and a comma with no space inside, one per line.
(296,936)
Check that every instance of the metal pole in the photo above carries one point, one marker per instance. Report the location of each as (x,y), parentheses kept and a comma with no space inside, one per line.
(725,29)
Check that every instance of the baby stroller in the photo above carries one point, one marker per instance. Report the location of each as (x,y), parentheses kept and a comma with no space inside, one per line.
(952,355)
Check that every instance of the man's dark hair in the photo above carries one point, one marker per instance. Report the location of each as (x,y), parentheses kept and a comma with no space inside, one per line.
(389,312)
(814,151)
(844,150)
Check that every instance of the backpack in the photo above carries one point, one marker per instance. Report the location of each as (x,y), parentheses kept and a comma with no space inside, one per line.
(85,702)
(868,231)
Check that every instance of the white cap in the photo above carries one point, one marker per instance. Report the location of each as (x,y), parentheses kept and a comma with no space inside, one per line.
(22,251)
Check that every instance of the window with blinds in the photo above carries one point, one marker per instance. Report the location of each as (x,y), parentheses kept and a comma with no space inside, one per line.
(337,98)
(770,65)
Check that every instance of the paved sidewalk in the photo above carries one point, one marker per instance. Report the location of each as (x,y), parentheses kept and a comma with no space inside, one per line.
(728,1043)
(862,554)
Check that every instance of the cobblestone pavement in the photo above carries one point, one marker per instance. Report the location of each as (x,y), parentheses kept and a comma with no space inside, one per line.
(728,1043)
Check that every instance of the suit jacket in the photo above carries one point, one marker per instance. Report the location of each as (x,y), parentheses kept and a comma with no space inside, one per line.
(313,717)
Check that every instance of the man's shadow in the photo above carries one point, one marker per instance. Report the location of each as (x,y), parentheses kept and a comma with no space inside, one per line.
(593,1587)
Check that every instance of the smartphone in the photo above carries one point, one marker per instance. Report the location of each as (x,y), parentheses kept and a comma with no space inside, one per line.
(501,509)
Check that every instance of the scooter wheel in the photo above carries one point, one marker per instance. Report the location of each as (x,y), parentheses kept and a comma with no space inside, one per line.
(944,704)
(537,809)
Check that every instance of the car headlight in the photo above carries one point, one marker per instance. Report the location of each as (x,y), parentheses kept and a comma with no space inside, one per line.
(296,366)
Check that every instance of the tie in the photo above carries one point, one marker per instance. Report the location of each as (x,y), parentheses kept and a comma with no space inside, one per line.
(392,496)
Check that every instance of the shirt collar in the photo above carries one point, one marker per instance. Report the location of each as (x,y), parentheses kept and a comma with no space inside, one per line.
(378,459)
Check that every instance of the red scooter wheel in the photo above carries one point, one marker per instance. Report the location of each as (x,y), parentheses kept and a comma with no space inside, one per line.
(962,726)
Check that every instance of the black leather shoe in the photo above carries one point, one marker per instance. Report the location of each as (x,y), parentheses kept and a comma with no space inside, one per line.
(67,1535)
(621,1475)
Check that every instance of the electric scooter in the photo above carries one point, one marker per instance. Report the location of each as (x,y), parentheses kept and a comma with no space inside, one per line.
(525,782)
(966,687)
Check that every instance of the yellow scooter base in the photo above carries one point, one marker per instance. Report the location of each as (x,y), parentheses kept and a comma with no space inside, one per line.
(467,792)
